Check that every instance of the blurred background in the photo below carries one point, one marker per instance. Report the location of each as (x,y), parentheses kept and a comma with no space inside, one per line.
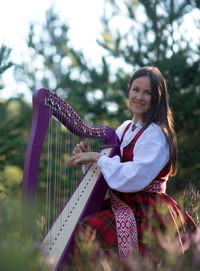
(90,49)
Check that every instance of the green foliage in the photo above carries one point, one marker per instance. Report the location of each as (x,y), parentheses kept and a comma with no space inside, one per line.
(11,135)
(57,66)
(99,95)
(10,180)
(18,249)
(14,131)
(189,200)
(152,35)
(4,60)
(170,258)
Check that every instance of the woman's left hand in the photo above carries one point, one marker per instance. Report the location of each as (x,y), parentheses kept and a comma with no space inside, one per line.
(83,158)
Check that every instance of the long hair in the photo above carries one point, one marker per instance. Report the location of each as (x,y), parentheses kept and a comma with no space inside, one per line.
(160,112)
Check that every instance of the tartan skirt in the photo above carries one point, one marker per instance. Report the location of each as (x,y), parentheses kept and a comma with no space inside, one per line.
(155,214)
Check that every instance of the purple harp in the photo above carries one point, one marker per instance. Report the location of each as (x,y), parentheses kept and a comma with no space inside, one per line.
(89,192)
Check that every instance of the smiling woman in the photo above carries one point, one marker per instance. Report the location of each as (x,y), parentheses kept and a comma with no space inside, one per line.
(140,97)
(137,178)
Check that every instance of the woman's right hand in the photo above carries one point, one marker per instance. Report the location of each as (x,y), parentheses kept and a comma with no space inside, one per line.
(83,146)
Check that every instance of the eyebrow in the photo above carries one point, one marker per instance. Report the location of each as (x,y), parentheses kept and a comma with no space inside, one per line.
(139,88)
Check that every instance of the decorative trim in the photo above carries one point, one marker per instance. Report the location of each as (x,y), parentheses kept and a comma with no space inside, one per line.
(156,186)
(126,228)
(126,225)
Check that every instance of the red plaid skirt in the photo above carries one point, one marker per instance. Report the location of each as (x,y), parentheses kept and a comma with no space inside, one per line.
(154,213)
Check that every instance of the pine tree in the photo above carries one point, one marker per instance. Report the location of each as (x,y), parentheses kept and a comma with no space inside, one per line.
(4,65)
(14,129)
(4,61)
(57,66)
(151,36)
(155,38)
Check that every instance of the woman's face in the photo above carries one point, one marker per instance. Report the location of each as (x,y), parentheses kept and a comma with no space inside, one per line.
(140,96)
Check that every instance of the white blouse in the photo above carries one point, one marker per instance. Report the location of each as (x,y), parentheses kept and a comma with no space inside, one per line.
(151,154)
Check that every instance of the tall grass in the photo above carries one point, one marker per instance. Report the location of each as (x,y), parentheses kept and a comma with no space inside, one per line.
(20,251)
(170,257)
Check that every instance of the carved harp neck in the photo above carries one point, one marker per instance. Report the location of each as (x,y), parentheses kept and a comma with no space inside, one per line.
(46,104)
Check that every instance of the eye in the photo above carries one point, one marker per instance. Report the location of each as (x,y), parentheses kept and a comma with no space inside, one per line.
(148,92)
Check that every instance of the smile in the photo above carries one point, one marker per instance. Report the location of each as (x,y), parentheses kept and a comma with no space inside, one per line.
(138,104)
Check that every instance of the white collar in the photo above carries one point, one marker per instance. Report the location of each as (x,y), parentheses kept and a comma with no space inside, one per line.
(138,124)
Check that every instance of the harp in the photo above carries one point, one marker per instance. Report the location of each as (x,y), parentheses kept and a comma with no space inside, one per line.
(87,194)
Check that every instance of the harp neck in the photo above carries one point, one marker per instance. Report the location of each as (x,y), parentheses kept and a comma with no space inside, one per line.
(51,104)
(45,105)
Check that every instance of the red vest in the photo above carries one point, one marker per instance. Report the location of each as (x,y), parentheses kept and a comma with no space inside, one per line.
(128,154)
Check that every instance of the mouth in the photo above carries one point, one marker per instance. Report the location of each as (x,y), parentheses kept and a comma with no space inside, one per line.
(139,104)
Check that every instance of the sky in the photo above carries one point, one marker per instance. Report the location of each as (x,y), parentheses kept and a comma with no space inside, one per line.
(83,17)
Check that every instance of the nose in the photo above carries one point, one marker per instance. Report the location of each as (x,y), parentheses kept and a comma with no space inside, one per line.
(139,96)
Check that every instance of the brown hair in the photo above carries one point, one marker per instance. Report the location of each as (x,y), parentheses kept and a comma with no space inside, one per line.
(160,112)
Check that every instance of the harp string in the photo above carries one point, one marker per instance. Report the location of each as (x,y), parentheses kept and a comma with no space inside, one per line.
(59,177)
(55,170)
(60,181)
(56,182)
(48,174)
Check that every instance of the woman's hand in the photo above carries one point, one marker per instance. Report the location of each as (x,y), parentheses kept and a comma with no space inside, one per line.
(82,158)
(83,146)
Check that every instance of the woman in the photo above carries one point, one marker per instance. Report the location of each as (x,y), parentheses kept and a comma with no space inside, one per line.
(138,205)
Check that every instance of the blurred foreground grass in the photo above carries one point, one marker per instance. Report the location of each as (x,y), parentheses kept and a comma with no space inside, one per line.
(19,251)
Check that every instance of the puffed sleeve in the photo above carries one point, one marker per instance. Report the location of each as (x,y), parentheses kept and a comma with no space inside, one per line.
(151,154)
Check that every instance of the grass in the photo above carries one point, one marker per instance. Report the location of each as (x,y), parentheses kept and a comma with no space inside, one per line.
(20,251)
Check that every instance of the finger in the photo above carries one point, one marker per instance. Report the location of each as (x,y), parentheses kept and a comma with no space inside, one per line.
(82,146)
(77,162)
(77,149)
(79,159)
(86,145)
(71,161)
(86,142)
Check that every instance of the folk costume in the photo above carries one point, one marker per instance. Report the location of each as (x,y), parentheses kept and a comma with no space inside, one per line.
(138,205)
